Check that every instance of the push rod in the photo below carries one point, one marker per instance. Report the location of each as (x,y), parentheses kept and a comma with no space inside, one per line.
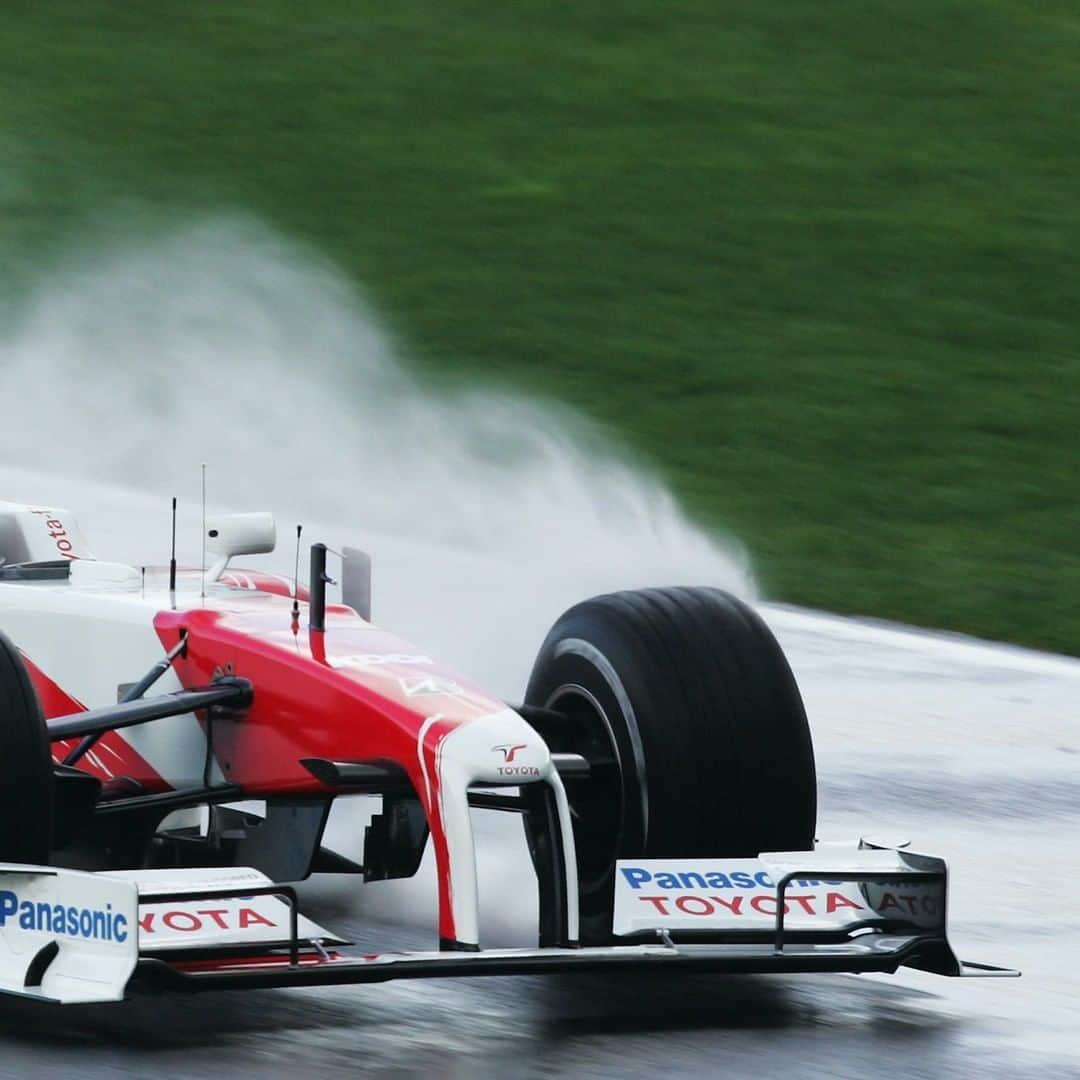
(234,692)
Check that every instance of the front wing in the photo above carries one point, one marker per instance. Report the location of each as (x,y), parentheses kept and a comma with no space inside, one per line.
(68,936)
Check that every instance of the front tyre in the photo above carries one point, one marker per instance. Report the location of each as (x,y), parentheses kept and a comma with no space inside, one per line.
(684,705)
(26,776)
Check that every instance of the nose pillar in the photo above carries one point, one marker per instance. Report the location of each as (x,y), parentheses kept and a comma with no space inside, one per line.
(496,750)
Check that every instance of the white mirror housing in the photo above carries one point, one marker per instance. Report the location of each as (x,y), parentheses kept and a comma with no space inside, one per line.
(238,534)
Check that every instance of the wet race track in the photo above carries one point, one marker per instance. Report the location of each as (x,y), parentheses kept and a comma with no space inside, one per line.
(970,750)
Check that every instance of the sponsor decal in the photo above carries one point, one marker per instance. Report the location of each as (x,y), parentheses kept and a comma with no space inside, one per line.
(427,685)
(67,920)
(638,876)
(758,903)
(509,753)
(369,660)
(193,920)
(58,533)
(750,892)
(216,922)
(905,900)
(705,893)
(905,904)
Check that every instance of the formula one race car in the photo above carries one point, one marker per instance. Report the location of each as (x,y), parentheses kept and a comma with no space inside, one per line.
(661,764)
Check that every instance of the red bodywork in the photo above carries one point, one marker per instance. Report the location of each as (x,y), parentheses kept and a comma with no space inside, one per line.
(351,693)
(317,694)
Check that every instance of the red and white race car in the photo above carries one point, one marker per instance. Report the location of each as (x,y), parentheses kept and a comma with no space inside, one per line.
(661,763)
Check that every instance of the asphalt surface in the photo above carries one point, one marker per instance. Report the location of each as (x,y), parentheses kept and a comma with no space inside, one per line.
(972,751)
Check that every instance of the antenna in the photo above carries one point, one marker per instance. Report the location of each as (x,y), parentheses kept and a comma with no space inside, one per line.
(296,582)
(203,564)
(172,559)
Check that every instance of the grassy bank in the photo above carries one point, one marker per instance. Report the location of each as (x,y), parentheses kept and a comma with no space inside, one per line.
(816,261)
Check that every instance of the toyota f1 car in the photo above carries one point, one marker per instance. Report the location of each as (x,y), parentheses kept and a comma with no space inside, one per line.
(661,763)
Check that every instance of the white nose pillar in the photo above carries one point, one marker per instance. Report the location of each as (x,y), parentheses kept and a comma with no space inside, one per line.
(496,750)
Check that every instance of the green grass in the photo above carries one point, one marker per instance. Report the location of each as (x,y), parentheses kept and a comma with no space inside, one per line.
(816,260)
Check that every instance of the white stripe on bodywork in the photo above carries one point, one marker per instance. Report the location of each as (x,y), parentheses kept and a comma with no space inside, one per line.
(425,727)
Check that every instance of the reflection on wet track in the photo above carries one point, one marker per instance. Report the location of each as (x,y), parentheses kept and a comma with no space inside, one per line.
(970,750)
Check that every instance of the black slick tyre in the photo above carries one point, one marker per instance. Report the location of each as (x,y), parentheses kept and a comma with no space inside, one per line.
(26,778)
(684,705)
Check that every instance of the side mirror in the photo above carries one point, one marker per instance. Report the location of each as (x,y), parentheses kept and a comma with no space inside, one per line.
(238,534)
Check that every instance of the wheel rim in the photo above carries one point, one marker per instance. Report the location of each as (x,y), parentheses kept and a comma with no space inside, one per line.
(597,804)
